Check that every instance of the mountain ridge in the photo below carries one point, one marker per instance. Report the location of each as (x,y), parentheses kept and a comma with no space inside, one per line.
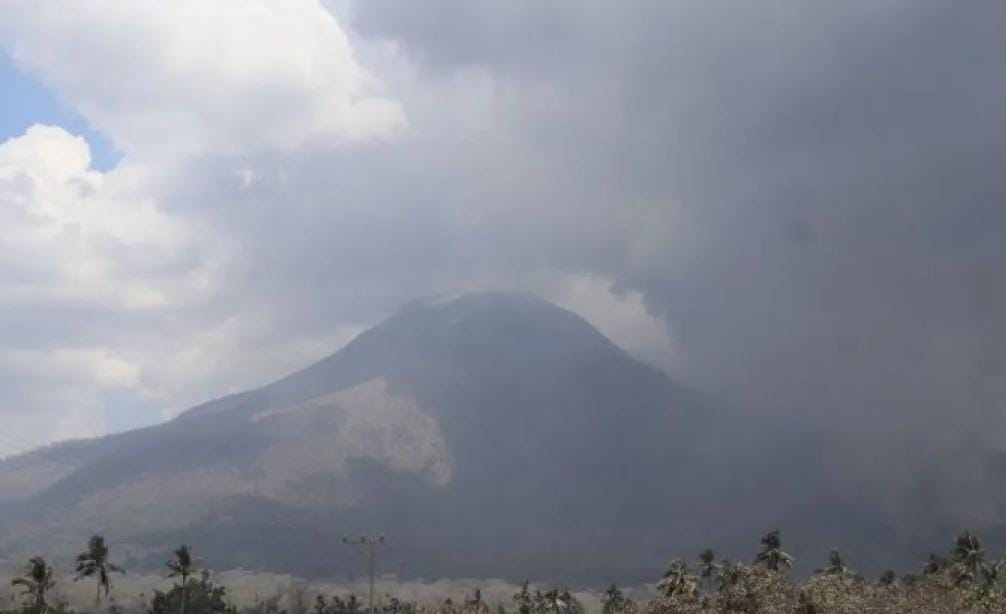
(418,413)
(487,435)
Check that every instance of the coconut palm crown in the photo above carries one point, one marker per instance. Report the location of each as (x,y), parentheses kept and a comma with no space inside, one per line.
(35,581)
(182,566)
(772,556)
(93,563)
(836,566)
(708,568)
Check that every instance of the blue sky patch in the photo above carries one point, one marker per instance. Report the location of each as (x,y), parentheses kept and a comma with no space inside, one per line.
(24,101)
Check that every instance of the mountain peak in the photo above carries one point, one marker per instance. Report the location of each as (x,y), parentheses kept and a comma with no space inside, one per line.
(491,317)
(488,306)
(404,428)
(518,334)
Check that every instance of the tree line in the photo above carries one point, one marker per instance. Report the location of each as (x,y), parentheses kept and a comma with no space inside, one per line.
(37,579)
(962,581)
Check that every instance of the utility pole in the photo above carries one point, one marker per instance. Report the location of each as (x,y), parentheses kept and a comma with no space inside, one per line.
(369,545)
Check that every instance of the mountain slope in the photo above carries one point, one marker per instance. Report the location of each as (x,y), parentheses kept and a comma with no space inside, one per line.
(488,435)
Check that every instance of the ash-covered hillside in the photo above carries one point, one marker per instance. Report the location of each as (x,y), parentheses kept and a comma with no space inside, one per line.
(490,435)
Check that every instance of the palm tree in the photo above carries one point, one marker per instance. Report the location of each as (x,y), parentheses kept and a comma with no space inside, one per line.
(836,566)
(772,556)
(522,599)
(966,543)
(539,601)
(969,557)
(182,566)
(730,574)
(35,581)
(93,562)
(320,604)
(708,567)
(552,601)
(613,601)
(573,605)
(677,580)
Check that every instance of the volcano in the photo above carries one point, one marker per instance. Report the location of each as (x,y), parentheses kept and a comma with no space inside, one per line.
(490,435)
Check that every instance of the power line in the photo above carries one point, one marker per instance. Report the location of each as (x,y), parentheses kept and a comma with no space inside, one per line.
(369,546)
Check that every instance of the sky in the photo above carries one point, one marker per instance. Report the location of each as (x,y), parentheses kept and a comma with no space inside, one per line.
(795,206)
(27,102)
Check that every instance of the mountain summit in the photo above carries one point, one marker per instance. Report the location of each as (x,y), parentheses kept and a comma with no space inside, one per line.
(486,435)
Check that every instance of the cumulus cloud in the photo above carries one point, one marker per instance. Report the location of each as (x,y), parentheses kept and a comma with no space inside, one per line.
(111,301)
(73,233)
(84,252)
(189,77)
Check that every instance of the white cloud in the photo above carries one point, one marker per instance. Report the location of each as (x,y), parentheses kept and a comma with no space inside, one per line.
(189,76)
(105,293)
(72,233)
(83,253)
(620,316)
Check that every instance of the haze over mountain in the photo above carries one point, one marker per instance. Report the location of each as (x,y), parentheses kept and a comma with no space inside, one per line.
(490,435)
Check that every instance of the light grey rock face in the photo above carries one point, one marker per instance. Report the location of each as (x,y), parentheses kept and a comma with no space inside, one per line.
(365,422)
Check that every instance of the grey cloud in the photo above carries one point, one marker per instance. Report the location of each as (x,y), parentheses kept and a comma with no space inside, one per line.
(810,195)
(808,192)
